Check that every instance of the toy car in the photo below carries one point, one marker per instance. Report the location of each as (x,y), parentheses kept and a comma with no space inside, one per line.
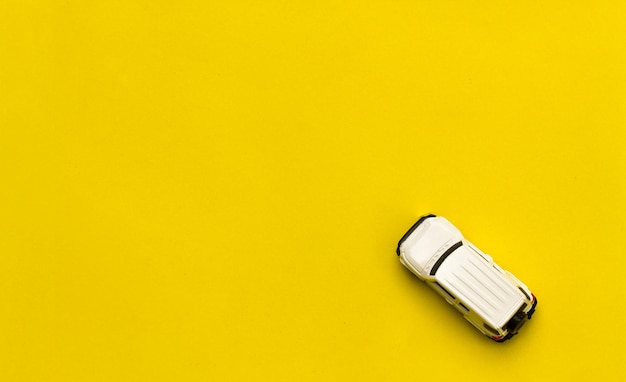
(490,298)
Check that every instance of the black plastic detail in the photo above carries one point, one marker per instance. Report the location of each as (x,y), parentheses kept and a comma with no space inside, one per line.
(413,228)
(443,257)
(508,336)
(516,321)
(532,309)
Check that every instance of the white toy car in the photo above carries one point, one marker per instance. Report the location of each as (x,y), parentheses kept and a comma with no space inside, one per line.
(492,299)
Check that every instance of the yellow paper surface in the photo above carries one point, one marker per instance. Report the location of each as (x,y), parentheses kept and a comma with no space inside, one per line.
(214,191)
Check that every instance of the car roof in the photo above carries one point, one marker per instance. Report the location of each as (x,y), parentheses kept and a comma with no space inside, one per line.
(480,286)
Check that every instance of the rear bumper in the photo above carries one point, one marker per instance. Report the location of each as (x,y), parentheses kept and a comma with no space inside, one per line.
(529,315)
(531,311)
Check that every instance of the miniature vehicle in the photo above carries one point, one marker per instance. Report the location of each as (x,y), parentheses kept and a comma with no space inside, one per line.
(490,298)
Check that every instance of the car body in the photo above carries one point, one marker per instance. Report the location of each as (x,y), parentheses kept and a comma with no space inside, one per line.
(490,298)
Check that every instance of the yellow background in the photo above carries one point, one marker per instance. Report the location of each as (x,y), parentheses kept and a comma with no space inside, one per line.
(214,190)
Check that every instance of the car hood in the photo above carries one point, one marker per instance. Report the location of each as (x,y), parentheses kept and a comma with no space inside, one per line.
(427,242)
